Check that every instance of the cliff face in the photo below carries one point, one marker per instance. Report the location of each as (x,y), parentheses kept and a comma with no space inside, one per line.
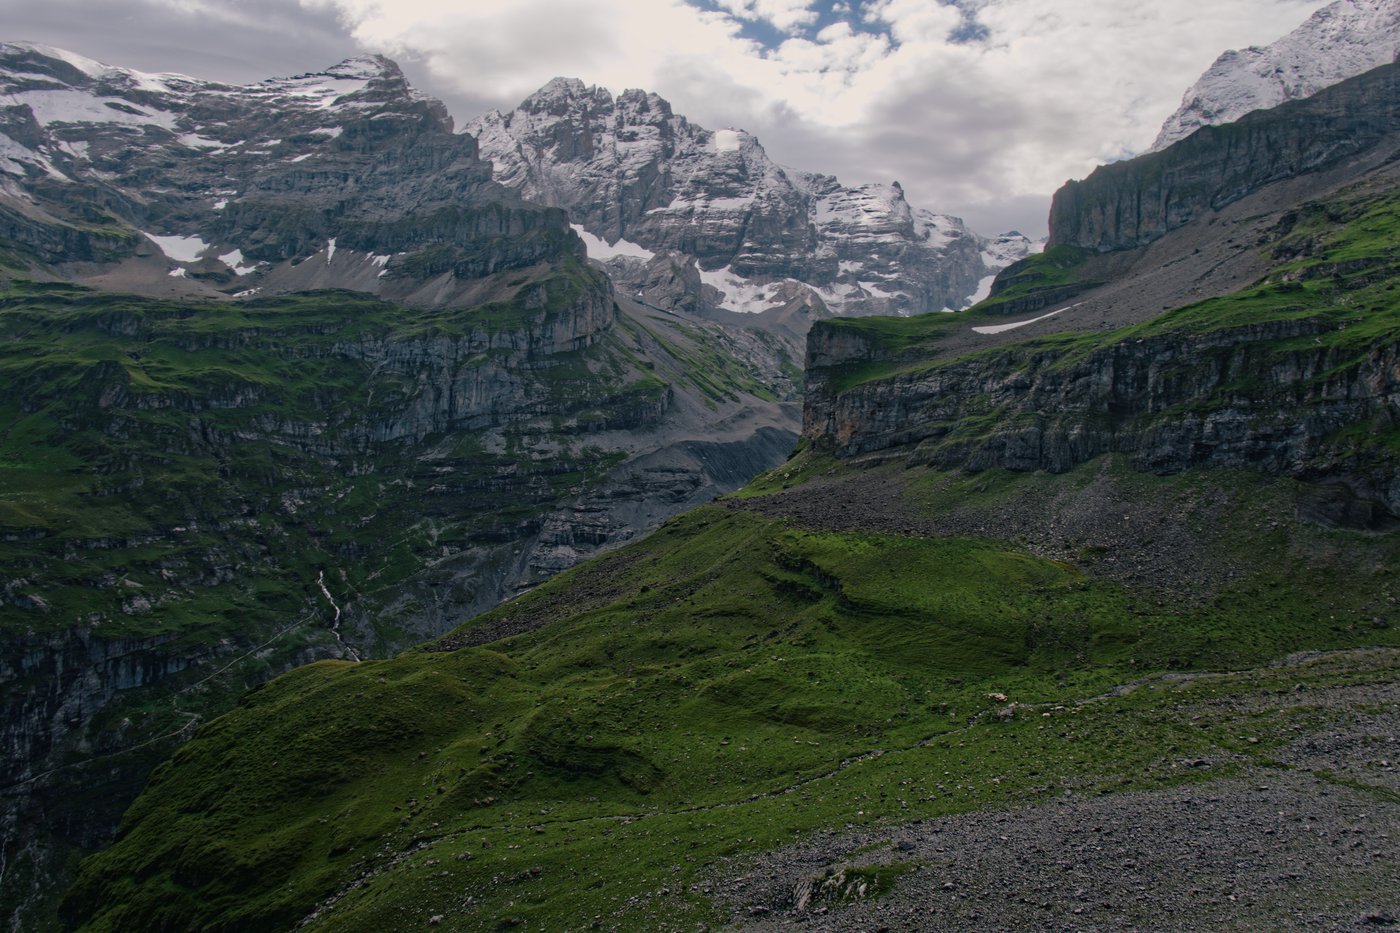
(1261,396)
(1129,204)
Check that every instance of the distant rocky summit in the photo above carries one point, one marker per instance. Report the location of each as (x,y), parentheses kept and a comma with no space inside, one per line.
(692,217)
(1339,41)
(167,185)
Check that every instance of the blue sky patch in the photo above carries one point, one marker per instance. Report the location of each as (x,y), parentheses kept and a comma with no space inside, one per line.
(831,12)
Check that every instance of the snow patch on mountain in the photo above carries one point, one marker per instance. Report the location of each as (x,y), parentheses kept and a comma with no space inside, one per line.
(235,261)
(195,141)
(1339,41)
(602,250)
(15,155)
(179,248)
(73,106)
(984,290)
(740,294)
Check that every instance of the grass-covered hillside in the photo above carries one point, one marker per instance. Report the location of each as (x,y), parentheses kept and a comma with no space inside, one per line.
(733,683)
(196,495)
(1113,563)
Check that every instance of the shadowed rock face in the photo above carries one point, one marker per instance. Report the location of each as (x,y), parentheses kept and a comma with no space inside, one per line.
(172,185)
(1129,204)
(1167,402)
(627,167)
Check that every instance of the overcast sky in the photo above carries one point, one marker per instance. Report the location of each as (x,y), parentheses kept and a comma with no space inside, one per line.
(980,108)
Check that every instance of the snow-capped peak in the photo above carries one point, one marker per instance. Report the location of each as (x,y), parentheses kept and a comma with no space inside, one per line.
(88,66)
(1339,41)
(160,83)
(365,68)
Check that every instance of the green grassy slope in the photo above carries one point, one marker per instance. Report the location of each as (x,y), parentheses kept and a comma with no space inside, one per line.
(176,477)
(727,684)
(592,752)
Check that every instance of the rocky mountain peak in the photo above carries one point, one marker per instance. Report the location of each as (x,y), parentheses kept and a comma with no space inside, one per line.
(1339,41)
(644,181)
(561,96)
(366,68)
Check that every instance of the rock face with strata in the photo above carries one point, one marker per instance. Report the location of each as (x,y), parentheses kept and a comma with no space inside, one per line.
(1129,204)
(1164,402)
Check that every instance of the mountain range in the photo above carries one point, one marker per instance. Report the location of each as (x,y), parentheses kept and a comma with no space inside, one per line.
(363,567)
(701,219)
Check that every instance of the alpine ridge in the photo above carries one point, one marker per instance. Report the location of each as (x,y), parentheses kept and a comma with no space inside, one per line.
(169,186)
(1339,41)
(701,219)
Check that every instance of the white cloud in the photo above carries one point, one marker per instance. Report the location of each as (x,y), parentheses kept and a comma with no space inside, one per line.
(1043,91)
(785,15)
(227,40)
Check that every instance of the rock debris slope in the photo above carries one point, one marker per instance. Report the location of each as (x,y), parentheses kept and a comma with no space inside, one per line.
(1339,41)
(712,221)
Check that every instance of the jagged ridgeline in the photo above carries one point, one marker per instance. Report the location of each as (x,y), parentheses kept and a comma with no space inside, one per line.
(991,578)
(705,221)
(289,377)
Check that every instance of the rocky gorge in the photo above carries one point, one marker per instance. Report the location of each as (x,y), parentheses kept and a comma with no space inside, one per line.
(293,378)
